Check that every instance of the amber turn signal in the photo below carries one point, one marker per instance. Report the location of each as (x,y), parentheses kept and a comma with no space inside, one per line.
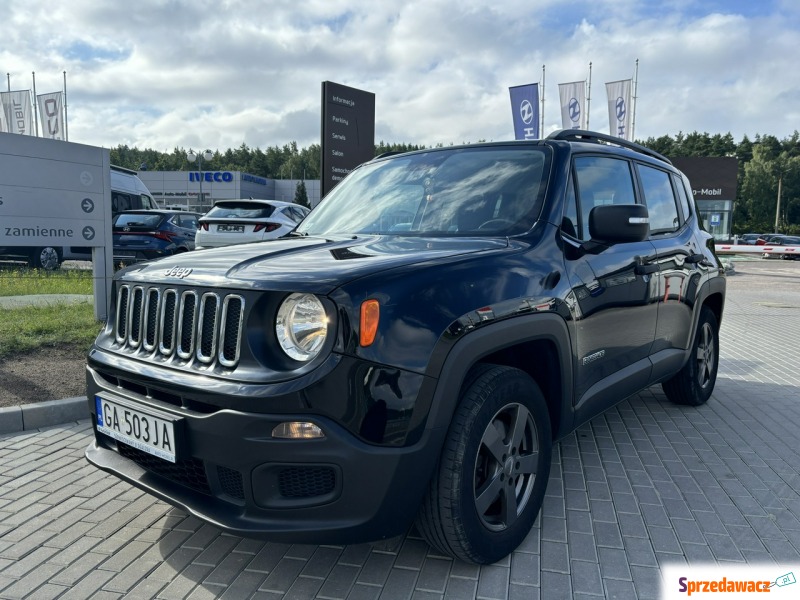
(370,315)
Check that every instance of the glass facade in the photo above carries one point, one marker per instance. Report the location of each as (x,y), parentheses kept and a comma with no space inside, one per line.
(717,217)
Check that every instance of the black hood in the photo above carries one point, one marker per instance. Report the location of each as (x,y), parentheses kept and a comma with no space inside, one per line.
(310,264)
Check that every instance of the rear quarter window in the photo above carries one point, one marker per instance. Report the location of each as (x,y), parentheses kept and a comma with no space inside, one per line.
(660,199)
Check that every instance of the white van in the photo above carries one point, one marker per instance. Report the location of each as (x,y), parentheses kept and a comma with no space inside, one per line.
(128,192)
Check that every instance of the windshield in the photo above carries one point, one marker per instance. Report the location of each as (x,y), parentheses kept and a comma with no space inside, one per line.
(494,190)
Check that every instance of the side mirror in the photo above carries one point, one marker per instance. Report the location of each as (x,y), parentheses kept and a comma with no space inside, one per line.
(619,223)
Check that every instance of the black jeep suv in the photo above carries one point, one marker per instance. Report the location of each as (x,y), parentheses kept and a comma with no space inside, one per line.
(414,348)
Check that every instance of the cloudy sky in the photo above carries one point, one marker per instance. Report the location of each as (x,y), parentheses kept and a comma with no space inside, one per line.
(216,74)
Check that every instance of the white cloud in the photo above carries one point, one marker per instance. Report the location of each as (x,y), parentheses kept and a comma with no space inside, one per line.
(218,74)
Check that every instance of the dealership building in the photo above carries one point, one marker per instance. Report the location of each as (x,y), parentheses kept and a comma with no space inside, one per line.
(713,182)
(199,190)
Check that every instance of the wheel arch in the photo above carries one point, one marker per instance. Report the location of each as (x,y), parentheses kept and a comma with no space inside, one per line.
(712,295)
(538,345)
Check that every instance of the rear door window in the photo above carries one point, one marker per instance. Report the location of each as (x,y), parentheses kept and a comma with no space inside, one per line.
(660,200)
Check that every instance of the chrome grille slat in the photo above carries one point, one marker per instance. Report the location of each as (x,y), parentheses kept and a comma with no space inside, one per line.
(121,326)
(187,319)
(166,344)
(231,332)
(151,309)
(180,326)
(135,308)
(207,327)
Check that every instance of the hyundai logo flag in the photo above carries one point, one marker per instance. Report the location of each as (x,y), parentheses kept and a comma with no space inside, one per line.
(573,102)
(525,110)
(619,108)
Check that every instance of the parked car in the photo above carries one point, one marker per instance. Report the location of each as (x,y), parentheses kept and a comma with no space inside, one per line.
(141,235)
(414,348)
(47,258)
(241,221)
(768,238)
(786,240)
(749,239)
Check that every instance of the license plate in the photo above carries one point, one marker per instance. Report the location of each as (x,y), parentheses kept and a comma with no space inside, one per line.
(143,430)
(230,228)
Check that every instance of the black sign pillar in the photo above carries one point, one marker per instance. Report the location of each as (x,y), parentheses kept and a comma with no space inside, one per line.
(348,132)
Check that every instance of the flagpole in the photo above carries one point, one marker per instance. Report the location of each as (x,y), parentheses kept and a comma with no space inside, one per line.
(66,132)
(589,96)
(35,112)
(541,128)
(635,102)
(8,77)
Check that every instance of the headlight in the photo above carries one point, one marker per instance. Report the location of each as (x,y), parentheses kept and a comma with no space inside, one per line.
(301,326)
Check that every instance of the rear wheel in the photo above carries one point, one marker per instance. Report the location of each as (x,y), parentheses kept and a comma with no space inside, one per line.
(490,482)
(47,258)
(694,383)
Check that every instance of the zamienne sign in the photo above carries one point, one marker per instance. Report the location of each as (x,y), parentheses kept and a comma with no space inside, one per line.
(55,193)
(348,131)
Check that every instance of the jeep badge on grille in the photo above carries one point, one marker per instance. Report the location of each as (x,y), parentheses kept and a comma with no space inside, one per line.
(179,272)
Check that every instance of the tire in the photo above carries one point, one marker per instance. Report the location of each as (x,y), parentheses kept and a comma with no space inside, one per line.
(468,512)
(47,258)
(694,383)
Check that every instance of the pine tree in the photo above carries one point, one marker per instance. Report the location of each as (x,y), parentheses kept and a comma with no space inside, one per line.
(300,195)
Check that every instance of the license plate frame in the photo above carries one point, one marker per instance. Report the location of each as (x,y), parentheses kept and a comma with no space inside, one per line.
(147,429)
(228,228)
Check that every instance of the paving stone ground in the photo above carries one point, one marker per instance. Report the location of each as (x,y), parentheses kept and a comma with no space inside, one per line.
(644,485)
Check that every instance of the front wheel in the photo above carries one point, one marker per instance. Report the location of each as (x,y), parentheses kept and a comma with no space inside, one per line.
(694,383)
(490,482)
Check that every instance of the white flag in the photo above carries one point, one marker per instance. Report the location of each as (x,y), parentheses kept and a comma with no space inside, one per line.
(573,104)
(619,108)
(19,116)
(51,114)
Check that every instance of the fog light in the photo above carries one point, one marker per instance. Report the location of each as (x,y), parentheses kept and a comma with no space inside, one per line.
(297,430)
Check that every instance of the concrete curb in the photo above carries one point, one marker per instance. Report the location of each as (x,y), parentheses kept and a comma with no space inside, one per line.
(27,417)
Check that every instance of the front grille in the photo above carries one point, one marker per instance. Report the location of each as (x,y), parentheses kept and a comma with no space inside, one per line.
(182,325)
(306,482)
(189,472)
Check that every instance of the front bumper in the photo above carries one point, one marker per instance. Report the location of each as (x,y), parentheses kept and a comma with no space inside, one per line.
(231,472)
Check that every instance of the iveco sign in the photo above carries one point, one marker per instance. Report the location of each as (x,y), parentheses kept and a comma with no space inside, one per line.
(210,176)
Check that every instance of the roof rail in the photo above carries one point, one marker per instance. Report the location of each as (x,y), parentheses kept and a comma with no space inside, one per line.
(582,135)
